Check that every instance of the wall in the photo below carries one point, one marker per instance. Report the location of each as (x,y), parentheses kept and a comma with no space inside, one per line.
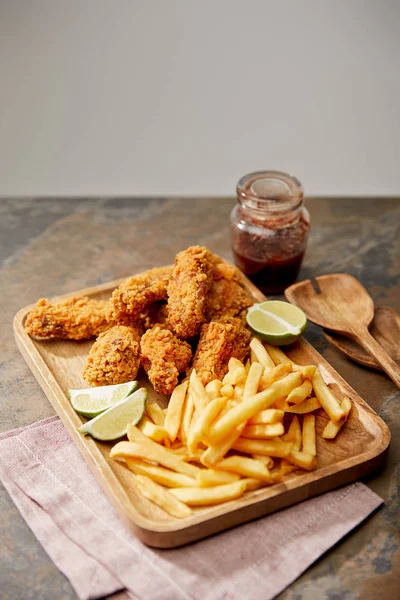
(184,97)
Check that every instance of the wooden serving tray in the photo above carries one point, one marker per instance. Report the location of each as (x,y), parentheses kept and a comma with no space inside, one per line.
(359,448)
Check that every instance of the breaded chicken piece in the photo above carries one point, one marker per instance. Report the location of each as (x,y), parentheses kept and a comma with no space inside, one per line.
(227,299)
(114,357)
(76,318)
(187,291)
(163,357)
(219,341)
(156,313)
(131,300)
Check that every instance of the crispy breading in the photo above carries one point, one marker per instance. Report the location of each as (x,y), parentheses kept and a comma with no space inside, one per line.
(131,300)
(227,299)
(163,357)
(114,357)
(76,318)
(219,341)
(188,289)
(156,313)
(224,270)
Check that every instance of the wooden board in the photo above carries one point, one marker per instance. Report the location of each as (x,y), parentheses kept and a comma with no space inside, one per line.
(359,449)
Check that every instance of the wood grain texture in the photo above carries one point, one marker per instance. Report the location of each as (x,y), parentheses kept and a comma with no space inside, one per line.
(343,305)
(358,450)
(385,328)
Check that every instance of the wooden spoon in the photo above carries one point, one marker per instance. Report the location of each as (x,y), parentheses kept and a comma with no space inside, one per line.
(385,328)
(343,305)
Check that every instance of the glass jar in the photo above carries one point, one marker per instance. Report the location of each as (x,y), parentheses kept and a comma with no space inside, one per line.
(270,226)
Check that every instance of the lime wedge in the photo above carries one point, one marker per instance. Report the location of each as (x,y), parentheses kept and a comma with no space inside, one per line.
(279,323)
(113,423)
(93,401)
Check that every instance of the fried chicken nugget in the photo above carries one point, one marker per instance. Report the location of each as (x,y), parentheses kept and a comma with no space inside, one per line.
(163,357)
(219,341)
(76,318)
(131,300)
(114,357)
(227,297)
(188,289)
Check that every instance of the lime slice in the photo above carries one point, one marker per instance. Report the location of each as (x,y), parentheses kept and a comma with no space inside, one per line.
(113,423)
(279,323)
(93,401)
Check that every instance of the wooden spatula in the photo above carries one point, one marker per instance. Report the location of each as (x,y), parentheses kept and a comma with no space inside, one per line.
(342,304)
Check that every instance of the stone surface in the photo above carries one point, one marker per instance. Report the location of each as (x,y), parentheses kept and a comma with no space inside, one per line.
(50,247)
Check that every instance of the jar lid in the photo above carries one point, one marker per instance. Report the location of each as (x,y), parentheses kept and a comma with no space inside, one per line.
(277,191)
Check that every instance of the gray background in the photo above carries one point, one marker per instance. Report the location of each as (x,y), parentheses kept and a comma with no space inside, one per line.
(184,96)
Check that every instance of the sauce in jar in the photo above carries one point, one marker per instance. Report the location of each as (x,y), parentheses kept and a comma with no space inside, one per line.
(270,227)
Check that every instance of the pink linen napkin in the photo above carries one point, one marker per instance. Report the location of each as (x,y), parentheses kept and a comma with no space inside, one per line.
(68,512)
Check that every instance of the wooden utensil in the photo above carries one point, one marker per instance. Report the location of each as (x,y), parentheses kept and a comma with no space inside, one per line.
(385,328)
(342,305)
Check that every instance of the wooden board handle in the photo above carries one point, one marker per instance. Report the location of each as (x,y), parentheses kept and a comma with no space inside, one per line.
(365,339)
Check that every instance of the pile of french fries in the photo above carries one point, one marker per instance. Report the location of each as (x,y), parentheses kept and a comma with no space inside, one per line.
(214,443)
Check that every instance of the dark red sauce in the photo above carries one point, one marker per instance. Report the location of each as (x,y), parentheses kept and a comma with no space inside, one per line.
(271,276)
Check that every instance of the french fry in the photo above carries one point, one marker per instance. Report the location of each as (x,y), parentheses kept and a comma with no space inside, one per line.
(155,413)
(281,404)
(302,460)
(188,456)
(213,389)
(210,495)
(247,366)
(214,454)
(236,372)
(253,380)
(261,354)
(227,390)
(238,391)
(307,371)
(327,400)
(274,448)
(200,427)
(154,432)
(263,431)
(155,452)
(267,417)
(160,475)
(278,357)
(188,410)
(212,477)
(174,412)
(299,394)
(162,497)
(197,391)
(245,466)
(286,467)
(305,407)
(159,455)
(251,406)
(332,429)
(267,460)
(253,484)
(309,438)
(294,433)
(274,374)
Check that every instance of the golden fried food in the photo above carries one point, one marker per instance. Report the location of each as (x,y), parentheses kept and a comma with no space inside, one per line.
(219,341)
(132,299)
(188,289)
(114,357)
(157,313)
(227,299)
(163,357)
(76,318)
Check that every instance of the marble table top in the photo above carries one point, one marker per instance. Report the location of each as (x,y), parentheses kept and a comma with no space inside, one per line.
(51,247)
